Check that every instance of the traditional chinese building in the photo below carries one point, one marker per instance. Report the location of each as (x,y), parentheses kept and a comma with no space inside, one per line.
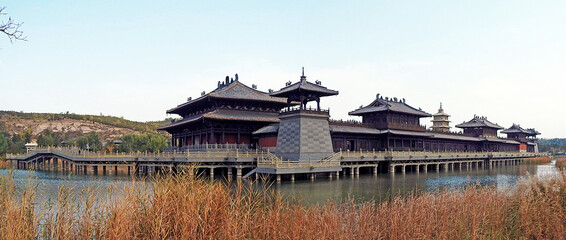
(236,113)
(228,114)
(480,127)
(527,137)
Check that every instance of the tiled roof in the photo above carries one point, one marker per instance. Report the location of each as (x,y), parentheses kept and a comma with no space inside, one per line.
(499,140)
(456,137)
(234,90)
(273,128)
(354,129)
(304,86)
(182,122)
(479,122)
(380,105)
(518,129)
(224,114)
(408,133)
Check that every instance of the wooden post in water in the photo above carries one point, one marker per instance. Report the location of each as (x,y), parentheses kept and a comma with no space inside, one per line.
(238,173)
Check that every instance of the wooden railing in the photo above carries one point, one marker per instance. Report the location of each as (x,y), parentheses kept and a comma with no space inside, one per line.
(265,159)
(274,162)
(373,153)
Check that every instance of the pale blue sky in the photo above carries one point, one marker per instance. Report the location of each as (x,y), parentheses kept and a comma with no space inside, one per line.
(502,59)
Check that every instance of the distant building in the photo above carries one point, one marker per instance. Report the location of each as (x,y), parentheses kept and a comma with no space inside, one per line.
(527,137)
(440,121)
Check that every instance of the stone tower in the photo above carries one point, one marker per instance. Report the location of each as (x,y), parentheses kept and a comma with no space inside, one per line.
(304,134)
(440,122)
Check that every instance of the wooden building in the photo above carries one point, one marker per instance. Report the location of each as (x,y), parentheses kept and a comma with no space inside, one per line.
(527,137)
(228,114)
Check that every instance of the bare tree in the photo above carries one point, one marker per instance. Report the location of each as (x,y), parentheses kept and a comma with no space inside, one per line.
(11,28)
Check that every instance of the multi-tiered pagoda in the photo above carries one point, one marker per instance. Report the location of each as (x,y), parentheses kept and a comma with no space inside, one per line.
(440,121)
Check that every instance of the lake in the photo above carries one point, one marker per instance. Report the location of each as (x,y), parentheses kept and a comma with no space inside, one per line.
(362,188)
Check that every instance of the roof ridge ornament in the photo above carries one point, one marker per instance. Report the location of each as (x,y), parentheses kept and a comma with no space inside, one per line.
(303,77)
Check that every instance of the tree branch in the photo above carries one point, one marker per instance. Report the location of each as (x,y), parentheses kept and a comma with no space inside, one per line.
(11,28)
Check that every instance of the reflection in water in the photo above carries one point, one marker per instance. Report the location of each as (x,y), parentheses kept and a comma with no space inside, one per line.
(368,187)
(362,188)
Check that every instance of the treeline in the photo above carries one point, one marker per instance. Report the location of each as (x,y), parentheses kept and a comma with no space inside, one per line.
(552,145)
(107,120)
(15,143)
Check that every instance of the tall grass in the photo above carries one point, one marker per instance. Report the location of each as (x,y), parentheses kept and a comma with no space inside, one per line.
(538,160)
(184,207)
(560,162)
(5,164)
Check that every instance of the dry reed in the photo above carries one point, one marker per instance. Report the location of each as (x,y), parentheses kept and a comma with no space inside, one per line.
(5,164)
(184,207)
(560,162)
(538,160)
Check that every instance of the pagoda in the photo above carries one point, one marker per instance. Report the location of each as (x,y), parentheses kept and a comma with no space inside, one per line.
(440,122)
(303,133)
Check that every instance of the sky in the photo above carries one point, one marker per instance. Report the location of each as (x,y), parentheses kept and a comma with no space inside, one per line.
(505,60)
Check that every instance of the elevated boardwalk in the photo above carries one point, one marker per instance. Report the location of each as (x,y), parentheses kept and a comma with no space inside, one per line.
(225,161)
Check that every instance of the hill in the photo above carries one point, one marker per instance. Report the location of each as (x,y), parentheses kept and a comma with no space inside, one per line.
(72,125)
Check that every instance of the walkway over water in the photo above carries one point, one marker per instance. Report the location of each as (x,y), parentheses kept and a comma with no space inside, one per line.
(224,161)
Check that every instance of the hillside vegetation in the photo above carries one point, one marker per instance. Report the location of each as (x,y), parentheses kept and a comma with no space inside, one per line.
(106,120)
(95,133)
(552,145)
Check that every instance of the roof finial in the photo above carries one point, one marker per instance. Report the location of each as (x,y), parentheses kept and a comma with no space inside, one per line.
(303,77)
(440,105)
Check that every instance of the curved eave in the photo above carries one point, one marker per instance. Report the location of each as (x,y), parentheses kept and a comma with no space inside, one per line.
(304,87)
(178,110)
(358,112)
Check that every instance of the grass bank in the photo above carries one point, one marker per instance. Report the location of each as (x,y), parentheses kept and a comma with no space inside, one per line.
(184,207)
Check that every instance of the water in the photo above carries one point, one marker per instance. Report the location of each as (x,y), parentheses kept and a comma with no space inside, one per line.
(376,188)
(362,188)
